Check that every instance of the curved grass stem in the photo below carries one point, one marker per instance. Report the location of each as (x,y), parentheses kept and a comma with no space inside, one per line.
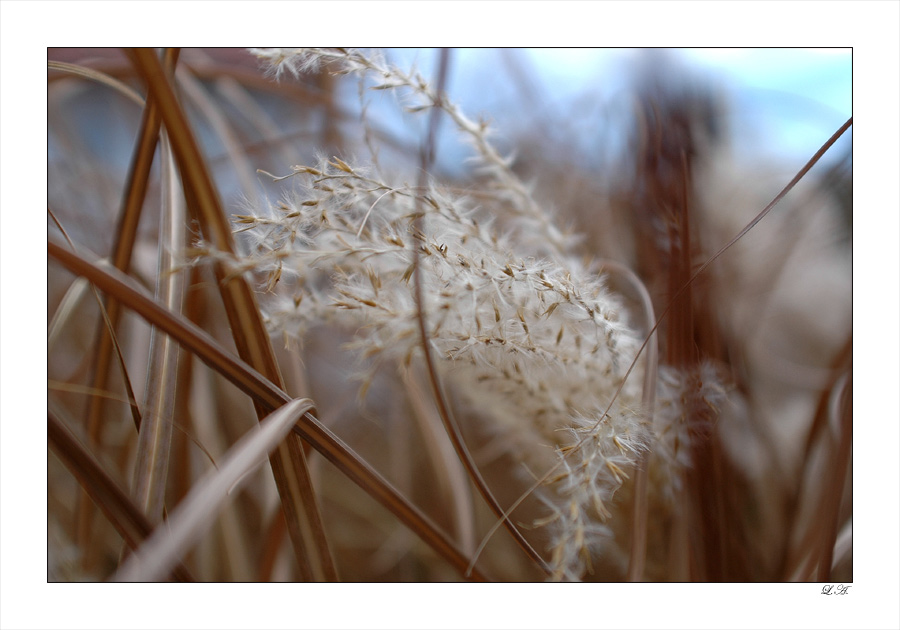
(426,160)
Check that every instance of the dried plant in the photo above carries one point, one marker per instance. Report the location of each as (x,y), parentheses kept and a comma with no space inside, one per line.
(613,405)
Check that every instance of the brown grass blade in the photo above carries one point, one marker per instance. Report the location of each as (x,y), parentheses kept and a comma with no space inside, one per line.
(191,337)
(288,461)
(155,437)
(127,518)
(193,516)
(98,76)
(73,296)
(108,327)
(126,235)
(265,393)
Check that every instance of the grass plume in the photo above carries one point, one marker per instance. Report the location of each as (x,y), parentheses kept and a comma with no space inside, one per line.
(602,365)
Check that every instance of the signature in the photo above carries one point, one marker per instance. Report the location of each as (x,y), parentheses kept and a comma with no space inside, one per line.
(836,589)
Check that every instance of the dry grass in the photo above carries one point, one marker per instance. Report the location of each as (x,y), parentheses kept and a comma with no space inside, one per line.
(639,370)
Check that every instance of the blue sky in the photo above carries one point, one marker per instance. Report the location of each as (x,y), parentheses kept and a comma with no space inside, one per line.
(804,94)
(783,103)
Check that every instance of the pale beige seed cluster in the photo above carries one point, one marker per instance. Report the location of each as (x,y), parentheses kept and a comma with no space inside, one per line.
(524,333)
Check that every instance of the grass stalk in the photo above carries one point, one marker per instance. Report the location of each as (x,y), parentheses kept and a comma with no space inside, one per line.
(155,436)
(288,461)
(426,160)
(266,395)
(155,558)
(121,511)
(126,232)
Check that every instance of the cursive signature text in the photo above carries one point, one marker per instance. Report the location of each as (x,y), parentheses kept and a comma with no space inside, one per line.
(836,589)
